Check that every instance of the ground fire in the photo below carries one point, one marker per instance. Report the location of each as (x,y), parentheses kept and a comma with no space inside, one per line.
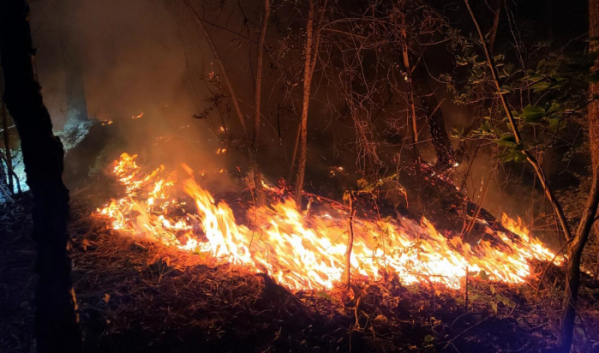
(303,252)
(306,176)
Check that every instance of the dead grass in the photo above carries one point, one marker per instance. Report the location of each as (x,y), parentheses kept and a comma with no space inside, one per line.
(138,296)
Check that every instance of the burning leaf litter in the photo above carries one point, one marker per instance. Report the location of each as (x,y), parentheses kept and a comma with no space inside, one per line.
(309,254)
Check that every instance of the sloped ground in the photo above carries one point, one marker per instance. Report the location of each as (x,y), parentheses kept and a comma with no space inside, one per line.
(142,297)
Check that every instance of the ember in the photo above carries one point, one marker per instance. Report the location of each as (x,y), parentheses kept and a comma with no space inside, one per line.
(309,254)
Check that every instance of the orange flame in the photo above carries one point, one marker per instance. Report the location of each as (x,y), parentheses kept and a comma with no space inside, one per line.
(309,254)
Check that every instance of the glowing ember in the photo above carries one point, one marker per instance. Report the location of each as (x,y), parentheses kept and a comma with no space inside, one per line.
(309,254)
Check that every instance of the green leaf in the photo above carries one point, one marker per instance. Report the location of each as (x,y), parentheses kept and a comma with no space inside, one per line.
(492,289)
(494,306)
(555,124)
(429,338)
(541,86)
(506,141)
(531,113)
(555,107)
(519,157)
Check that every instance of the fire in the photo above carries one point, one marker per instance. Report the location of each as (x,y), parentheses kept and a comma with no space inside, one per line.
(308,253)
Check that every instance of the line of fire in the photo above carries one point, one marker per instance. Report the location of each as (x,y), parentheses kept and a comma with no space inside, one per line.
(299,176)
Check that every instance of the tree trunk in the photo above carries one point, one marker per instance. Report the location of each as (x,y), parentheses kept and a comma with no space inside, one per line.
(6,135)
(299,184)
(564,342)
(593,109)
(434,118)
(413,122)
(258,90)
(579,241)
(495,27)
(56,327)
(257,101)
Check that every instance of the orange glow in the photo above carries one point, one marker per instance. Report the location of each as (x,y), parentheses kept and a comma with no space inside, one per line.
(309,253)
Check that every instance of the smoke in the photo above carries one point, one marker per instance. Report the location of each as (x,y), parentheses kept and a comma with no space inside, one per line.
(136,58)
(148,56)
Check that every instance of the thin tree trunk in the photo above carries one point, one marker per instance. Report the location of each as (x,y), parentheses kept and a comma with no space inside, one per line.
(56,326)
(495,26)
(410,93)
(294,155)
(6,134)
(299,183)
(529,157)
(258,89)
(434,118)
(221,66)
(259,73)
(564,341)
(593,108)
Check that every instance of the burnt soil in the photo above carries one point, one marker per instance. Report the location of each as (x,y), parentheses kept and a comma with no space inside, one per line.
(139,296)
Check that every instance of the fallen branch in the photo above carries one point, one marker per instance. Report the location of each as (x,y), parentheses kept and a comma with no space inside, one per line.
(463,332)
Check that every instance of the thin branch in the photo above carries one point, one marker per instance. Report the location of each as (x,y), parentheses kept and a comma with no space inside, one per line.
(531,159)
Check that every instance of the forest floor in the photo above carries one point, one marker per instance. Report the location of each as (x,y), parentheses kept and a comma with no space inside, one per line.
(143,297)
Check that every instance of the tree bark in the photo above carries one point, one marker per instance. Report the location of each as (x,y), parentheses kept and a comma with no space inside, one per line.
(258,90)
(6,135)
(495,26)
(56,326)
(257,101)
(413,122)
(573,271)
(434,118)
(299,183)
(593,109)
(564,342)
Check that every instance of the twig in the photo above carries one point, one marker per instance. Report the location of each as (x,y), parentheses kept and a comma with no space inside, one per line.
(547,267)
(234,99)
(466,293)
(357,324)
(531,159)
(463,332)
(479,206)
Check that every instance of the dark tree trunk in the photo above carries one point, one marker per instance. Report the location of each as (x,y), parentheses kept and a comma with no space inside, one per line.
(303,148)
(582,235)
(593,110)
(56,325)
(564,343)
(434,119)
(8,173)
(495,26)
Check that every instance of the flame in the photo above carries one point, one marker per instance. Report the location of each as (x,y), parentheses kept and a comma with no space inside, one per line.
(306,254)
